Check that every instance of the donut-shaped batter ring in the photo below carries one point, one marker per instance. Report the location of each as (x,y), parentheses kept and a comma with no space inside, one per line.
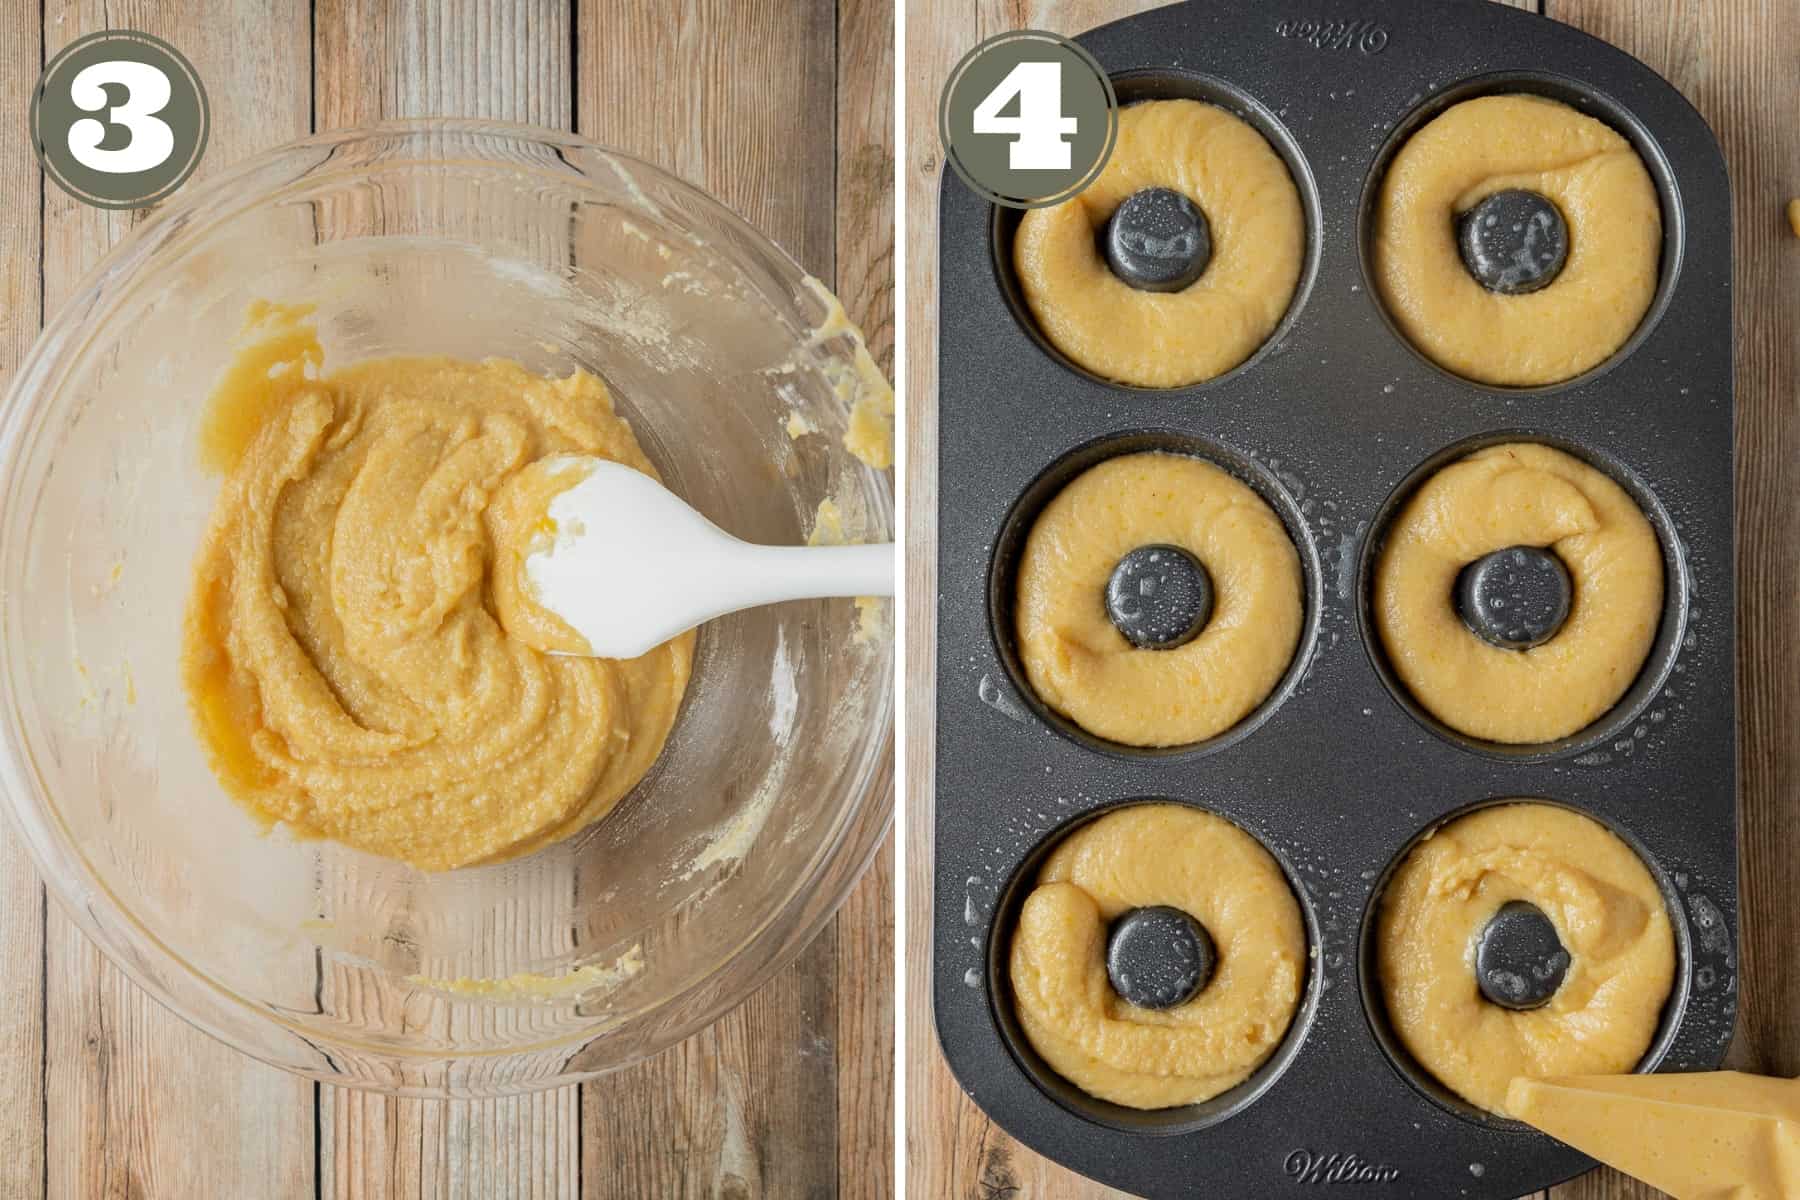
(1608,913)
(1080,665)
(1608,203)
(1169,339)
(1133,857)
(1519,494)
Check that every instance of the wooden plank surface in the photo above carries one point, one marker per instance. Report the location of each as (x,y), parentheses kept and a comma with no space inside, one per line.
(866,223)
(753,1104)
(953,1149)
(738,1109)
(22,901)
(130,1089)
(1735,60)
(379,59)
(736,97)
(374,61)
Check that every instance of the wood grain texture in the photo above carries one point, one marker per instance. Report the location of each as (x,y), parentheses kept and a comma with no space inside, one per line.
(945,1133)
(865,171)
(748,123)
(141,1106)
(865,1035)
(749,1108)
(1735,61)
(376,60)
(953,1149)
(864,264)
(22,899)
(131,1090)
(524,1146)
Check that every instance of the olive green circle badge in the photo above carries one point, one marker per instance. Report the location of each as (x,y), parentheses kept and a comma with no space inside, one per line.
(1028,118)
(119,119)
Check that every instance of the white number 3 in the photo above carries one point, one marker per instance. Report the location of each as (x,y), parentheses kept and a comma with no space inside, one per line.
(1039,128)
(146,93)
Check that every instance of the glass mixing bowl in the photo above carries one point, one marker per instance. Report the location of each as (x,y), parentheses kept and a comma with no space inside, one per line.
(469,239)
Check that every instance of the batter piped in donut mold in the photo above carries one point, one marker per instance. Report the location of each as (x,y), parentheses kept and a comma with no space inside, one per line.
(1484,637)
(1174,875)
(1523,939)
(1517,242)
(1175,264)
(1158,600)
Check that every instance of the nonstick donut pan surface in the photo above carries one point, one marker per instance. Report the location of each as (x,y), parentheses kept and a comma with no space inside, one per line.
(1333,421)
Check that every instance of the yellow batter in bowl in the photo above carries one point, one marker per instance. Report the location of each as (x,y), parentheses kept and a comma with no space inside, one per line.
(1608,203)
(1169,339)
(345,654)
(1519,494)
(1137,857)
(1608,913)
(1079,664)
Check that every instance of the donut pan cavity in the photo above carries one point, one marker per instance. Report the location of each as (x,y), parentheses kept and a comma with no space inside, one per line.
(1338,773)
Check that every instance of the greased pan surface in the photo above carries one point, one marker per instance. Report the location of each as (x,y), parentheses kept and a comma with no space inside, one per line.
(1339,773)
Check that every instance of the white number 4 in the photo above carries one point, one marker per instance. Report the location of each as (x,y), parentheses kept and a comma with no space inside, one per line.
(147,93)
(1038,130)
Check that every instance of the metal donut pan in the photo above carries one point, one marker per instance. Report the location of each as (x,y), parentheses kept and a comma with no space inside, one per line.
(1333,420)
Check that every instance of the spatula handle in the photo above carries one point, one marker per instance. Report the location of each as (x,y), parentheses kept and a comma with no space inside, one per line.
(811,572)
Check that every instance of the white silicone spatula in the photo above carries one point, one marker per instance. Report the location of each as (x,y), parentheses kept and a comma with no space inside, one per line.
(631,566)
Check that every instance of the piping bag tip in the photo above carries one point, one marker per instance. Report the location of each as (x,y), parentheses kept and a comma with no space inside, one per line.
(1717,1135)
